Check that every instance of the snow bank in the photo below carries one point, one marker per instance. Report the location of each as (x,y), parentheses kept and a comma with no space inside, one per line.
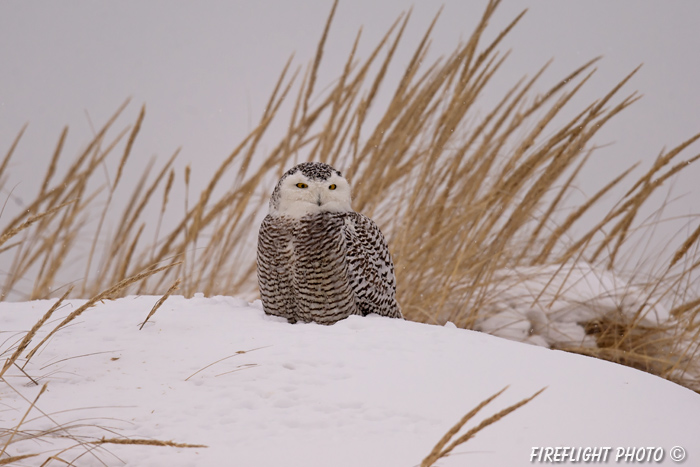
(547,305)
(365,391)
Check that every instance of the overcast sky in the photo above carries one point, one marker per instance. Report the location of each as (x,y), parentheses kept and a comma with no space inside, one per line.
(205,69)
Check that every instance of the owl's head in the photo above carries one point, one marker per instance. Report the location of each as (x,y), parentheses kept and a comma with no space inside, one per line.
(308,188)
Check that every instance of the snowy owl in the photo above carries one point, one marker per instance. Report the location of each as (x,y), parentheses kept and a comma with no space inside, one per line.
(318,260)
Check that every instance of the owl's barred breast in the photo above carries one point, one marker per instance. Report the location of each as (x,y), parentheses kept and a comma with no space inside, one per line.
(302,270)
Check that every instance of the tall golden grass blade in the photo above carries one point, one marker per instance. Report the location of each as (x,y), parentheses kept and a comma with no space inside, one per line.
(24,417)
(54,162)
(160,301)
(9,233)
(440,450)
(32,332)
(317,59)
(101,296)
(11,151)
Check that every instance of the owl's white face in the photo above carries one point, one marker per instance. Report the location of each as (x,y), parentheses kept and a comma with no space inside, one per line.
(300,195)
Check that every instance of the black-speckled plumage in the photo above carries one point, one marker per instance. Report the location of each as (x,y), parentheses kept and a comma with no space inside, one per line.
(325,265)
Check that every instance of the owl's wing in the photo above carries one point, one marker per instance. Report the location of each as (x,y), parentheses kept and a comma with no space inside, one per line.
(274,268)
(370,269)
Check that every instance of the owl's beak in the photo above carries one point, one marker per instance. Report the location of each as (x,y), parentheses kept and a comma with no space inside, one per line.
(318,199)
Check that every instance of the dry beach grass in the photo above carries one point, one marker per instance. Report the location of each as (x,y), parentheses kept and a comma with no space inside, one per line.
(460,199)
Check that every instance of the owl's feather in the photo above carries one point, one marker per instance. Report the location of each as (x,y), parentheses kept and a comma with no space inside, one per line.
(322,266)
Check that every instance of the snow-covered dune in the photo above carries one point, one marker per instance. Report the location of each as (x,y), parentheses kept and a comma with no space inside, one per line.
(364,392)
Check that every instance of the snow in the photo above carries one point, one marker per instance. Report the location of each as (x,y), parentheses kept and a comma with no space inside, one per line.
(543,305)
(365,391)
(549,306)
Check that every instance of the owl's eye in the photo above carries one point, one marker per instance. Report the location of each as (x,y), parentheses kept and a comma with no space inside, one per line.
(302,185)
(332,187)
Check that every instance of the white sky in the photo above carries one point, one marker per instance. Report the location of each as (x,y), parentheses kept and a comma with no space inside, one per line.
(205,69)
